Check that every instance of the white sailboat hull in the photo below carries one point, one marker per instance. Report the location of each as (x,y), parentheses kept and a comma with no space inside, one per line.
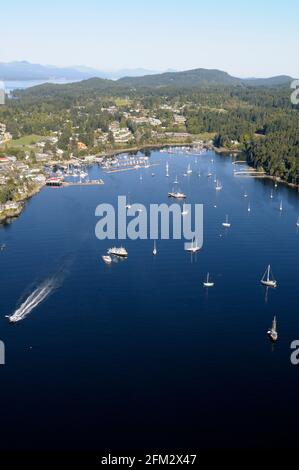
(269,283)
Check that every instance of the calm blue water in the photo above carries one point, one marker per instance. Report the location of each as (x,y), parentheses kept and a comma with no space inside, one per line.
(139,354)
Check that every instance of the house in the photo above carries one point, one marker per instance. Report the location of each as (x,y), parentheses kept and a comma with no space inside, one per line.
(81,146)
(179,119)
(4,161)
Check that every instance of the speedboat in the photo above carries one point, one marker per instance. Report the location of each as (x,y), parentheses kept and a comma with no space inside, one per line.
(107,259)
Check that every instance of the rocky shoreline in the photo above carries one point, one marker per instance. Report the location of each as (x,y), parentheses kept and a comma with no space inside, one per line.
(11,210)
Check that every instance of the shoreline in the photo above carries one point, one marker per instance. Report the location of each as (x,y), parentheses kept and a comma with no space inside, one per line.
(10,214)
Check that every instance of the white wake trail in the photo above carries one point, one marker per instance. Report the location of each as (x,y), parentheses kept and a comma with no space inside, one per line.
(34,299)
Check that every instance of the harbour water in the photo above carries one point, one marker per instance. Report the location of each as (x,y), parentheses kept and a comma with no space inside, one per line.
(139,355)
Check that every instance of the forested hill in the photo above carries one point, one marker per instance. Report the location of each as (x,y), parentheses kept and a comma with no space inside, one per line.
(200,78)
(187,79)
(190,79)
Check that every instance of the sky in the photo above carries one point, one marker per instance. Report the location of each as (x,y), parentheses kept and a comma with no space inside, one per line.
(244,38)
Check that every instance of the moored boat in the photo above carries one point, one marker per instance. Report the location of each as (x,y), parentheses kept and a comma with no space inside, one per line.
(121,252)
(268,278)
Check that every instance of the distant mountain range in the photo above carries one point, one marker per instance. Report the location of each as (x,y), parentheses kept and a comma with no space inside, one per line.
(24,70)
(132,78)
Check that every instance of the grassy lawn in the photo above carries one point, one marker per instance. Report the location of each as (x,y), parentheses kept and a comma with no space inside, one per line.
(26,140)
(204,136)
(119,102)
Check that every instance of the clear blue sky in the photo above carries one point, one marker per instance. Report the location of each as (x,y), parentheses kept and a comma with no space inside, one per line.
(245,38)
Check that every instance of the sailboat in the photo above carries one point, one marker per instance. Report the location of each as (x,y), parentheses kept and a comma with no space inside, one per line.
(167,170)
(184,211)
(249,208)
(155,249)
(280,207)
(271,194)
(193,247)
(297,223)
(189,171)
(226,223)
(128,206)
(218,186)
(245,194)
(272,333)
(268,279)
(176,180)
(207,282)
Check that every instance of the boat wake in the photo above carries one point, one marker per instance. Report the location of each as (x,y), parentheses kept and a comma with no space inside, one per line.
(39,294)
(35,298)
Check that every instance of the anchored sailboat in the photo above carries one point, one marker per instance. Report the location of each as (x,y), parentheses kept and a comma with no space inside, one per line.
(189,171)
(226,224)
(184,211)
(271,194)
(249,208)
(268,278)
(280,207)
(272,333)
(155,248)
(208,283)
(218,186)
(297,223)
(193,248)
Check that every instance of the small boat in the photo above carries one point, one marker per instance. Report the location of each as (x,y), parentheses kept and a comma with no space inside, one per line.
(193,248)
(184,211)
(155,248)
(107,259)
(176,180)
(272,333)
(209,174)
(207,282)
(189,171)
(128,206)
(268,278)
(245,194)
(218,186)
(177,195)
(153,174)
(2,247)
(121,252)
(226,224)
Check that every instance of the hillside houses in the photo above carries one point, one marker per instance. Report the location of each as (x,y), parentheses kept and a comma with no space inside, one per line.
(4,136)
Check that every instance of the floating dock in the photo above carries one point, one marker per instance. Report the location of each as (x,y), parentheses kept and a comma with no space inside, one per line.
(59,182)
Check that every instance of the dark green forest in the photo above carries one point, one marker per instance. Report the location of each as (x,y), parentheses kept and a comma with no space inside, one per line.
(260,120)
